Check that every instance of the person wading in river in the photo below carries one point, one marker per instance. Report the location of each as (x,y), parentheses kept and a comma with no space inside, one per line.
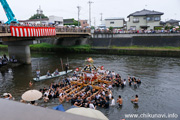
(135,101)
(119,101)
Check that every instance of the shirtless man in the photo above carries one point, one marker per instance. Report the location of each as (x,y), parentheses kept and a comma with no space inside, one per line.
(119,101)
(135,101)
(30,83)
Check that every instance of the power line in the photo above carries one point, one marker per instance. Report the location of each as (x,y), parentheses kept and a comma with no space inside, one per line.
(90,2)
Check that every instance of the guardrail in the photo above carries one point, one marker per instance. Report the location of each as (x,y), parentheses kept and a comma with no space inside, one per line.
(6,29)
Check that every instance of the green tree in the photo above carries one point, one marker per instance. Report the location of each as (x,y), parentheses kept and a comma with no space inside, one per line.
(37,16)
(111,28)
(92,27)
(171,27)
(75,22)
(158,28)
(166,27)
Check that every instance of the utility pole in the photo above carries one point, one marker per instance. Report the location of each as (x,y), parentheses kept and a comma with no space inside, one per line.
(101,17)
(94,22)
(78,13)
(39,12)
(90,2)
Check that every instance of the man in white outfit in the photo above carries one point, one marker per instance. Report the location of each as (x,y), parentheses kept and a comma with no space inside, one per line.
(112,101)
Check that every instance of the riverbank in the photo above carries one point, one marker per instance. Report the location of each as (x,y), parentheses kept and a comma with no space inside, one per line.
(129,50)
(3,47)
(9,65)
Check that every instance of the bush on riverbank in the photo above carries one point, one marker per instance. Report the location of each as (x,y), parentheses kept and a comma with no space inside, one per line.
(3,46)
(147,48)
(45,47)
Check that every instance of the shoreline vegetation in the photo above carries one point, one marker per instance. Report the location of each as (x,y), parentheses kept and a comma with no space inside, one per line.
(167,51)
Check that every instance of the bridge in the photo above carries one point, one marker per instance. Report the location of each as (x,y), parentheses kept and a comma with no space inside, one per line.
(18,38)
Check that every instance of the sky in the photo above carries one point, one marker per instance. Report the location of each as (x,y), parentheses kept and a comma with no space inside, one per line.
(24,9)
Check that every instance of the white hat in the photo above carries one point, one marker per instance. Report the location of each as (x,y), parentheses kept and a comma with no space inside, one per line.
(5,94)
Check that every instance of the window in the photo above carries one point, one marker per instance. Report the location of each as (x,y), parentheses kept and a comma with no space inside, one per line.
(135,20)
(157,18)
(150,18)
(111,22)
(84,22)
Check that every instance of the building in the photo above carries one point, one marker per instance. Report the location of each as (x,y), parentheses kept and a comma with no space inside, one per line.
(35,21)
(68,21)
(56,20)
(144,19)
(115,22)
(83,23)
(172,22)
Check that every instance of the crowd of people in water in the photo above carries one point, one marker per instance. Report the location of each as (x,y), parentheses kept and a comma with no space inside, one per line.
(83,92)
(4,60)
(90,93)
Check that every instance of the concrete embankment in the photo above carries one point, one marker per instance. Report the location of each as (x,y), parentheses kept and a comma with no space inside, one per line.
(112,51)
(129,50)
(161,45)
(146,41)
(138,52)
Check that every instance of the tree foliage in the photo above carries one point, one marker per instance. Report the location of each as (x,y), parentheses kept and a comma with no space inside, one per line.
(75,22)
(37,16)
(111,28)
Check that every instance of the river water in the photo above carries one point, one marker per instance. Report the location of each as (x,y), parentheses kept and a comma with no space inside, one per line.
(159,92)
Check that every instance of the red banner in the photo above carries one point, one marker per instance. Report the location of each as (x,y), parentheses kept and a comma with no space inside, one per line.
(22,31)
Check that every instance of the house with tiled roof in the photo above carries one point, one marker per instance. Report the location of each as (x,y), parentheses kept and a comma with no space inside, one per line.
(144,19)
(172,22)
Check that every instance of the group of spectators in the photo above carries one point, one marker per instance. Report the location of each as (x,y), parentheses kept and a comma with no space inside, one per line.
(6,28)
(121,31)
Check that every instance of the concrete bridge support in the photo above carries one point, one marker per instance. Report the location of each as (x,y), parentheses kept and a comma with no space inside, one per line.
(72,41)
(20,50)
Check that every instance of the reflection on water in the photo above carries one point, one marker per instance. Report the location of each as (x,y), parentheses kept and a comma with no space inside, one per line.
(158,93)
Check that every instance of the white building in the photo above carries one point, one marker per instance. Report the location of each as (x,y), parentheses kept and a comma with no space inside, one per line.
(56,20)
(144,19)
(35,21)
(115,22)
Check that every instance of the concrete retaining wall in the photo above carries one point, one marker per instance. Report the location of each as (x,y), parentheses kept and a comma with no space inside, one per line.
(148,41)
(72,41)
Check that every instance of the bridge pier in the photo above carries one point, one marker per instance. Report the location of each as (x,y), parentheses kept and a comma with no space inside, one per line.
(20,50)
